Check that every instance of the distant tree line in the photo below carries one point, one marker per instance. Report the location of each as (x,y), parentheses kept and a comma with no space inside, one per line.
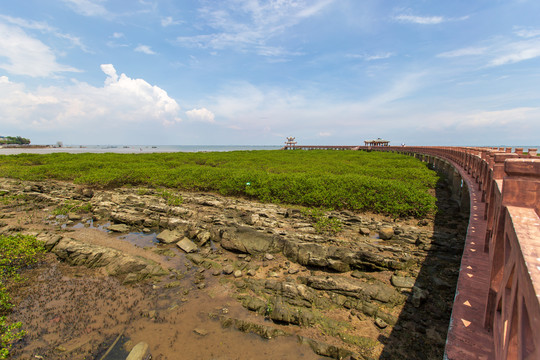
(14,140)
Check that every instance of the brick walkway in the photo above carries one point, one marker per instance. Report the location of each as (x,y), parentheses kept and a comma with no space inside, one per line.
(467,338)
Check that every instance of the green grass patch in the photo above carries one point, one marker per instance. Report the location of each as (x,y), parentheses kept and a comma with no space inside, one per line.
(171,198)
(72,206)
(321,222)
(16,253)
(386,183)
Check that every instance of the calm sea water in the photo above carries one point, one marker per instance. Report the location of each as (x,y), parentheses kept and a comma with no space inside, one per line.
(133,149)
(140,149)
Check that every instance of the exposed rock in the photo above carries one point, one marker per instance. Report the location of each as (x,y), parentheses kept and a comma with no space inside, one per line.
(381,324)
(386,232)
(403,281)
(237,273)
(203,237)
(328,350)
(338,258)
(200,331)
(187,245)
(247,240)
(119,228)
(49,240)
(228,269)
(364,231)
(170,236)
(355,288)
(128,217)
(282,312)
(264,331)
(74,217)
(139,352)
(252,272)
(115,262)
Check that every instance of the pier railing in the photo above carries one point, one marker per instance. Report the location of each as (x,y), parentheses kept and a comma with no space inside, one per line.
(510,189)
(509,184)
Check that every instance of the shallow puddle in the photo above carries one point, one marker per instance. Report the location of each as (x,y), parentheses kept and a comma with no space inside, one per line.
(141,239)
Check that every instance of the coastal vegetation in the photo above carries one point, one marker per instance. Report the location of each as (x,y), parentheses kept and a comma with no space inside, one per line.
(10,140)
(385,183)
(16,253)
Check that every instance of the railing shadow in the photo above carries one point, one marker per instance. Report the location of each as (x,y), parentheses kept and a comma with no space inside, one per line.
(421,329)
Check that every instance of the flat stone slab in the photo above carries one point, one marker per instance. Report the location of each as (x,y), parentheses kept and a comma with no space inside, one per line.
(169,237)
(403,281)
(187,245)
(119,228)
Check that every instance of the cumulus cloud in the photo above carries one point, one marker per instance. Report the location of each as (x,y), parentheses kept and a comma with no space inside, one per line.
(27,55)
(201,114)
(121,101)
(145,49)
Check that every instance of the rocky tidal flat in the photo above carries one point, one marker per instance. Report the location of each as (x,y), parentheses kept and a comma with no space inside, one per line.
(212,277)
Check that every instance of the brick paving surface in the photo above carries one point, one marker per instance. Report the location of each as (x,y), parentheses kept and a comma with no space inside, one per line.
(467,338)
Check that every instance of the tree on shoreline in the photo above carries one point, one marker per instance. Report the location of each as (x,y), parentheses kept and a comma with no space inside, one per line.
(9,140)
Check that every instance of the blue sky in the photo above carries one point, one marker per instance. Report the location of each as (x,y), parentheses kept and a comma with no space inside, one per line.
(251,72)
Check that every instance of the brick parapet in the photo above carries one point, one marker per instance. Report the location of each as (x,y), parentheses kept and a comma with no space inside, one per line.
(510,189)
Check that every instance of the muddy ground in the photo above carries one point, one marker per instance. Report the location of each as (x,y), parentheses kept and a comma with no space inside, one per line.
(211,277)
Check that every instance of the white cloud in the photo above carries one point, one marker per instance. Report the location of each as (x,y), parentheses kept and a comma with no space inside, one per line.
(516,51)
(527,33)
(325,134)
(426,20)
(27,55)
(247,25)
(44,28)
(464,52)
(247,107)
(118,35)
(87,7)
(513,119)
(168,21)
(145,49)
(500,51)
(202,114)
(380,56)
(120,102)
(500,117)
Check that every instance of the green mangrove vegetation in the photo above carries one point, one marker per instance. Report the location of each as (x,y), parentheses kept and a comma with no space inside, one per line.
(386,183)
(16,253)
(9,140)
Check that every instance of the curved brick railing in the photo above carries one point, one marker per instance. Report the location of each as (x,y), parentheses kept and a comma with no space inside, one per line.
(505,195)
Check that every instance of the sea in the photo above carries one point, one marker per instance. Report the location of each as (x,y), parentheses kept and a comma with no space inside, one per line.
(134,149)
(141,149)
